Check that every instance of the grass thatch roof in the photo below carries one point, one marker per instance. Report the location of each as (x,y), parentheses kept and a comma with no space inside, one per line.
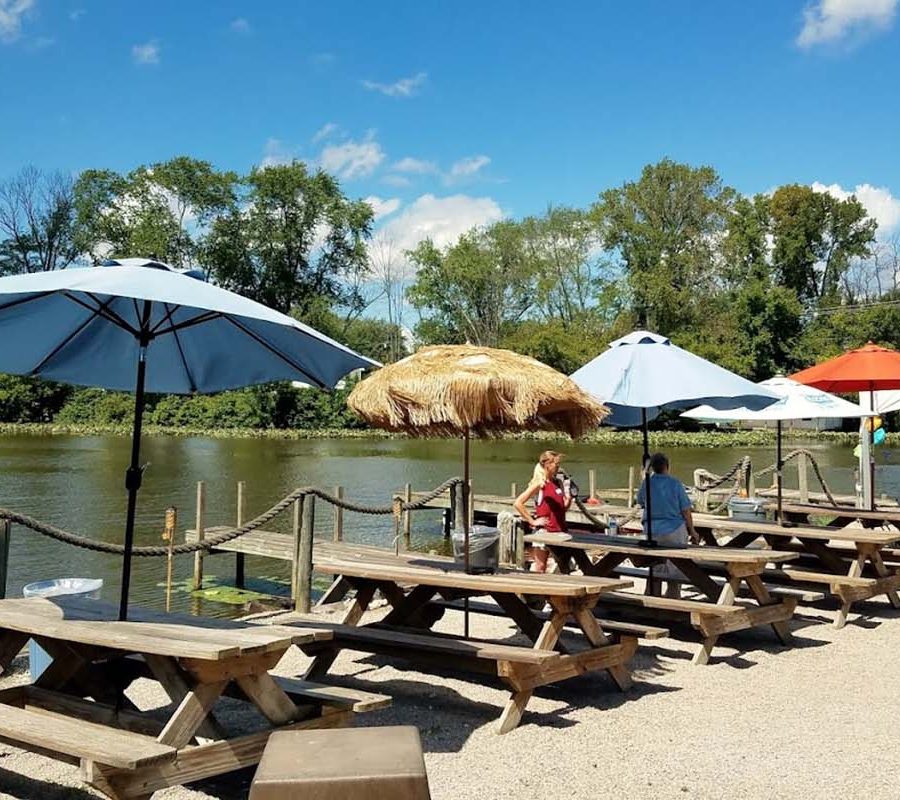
(447,389)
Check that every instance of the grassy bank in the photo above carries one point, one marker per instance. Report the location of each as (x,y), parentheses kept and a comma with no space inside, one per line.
(603,436)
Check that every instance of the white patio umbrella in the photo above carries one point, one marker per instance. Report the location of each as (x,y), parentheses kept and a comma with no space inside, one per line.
(798,401)
(643,374)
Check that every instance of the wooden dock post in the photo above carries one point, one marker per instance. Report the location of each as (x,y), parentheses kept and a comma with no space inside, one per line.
(304,527)
(171,526)
(338,515)
(407,516)
(201,533)
(514,490)
(239,557)
(803,478)
(592,484)
(5,532)
(456,506)
(630,487)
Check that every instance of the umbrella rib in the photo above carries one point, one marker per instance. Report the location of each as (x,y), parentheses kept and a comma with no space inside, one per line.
(187,369)
(111,315)
(206,316)
(108,315)
(259,340)
(23,300)
(65,342)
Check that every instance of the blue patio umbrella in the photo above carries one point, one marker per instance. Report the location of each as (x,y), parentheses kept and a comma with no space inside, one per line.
(139,325)
(643,374)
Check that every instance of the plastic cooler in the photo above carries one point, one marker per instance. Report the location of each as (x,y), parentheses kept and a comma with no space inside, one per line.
(747,509)
(88,588)
(484,548)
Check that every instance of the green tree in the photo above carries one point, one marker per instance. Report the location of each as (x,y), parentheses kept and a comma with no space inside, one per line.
(296,239)
(815,237)
(666,227)
(475,288)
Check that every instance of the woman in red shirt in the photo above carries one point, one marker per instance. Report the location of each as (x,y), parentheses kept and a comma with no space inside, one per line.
(553,500)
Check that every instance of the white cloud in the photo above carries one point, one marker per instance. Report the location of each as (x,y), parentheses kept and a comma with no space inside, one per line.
(383,207)
(441,219)
(11,14)
(830,21)
(240,25)
(147,53)
(328,130)
(405,87)
(352,159)
(466,168)
(276,153)
(400,181)
(415,166)
(881,205)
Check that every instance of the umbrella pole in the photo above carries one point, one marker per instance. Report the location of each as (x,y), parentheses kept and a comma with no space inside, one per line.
(466,521)
(779,466)
(872,449)
(648,542)
(134,473)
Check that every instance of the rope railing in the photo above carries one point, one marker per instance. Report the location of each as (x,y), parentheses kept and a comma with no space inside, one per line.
(59,534)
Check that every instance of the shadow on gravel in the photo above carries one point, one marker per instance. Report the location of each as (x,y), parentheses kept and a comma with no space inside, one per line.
(26,788)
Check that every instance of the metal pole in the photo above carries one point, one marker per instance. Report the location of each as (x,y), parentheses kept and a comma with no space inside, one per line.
(465,522)
(646,472)
(779,467)
(134,473)
(169,536)
(872,449)
(338,515)
(239,557)
(5,532)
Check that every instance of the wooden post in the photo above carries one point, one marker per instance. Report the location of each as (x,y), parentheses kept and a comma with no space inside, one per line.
(338,515)
(296,533)
(630,487)
(201,534)
(169,536)
(751,484)
(5,532)
(239,557)
(407,516)
(456,505)
(520,544)
(514,490)
(803,478)
(303,555)
(592,484)
(471,516)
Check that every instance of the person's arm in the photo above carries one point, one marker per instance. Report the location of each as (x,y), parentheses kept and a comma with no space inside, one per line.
(522,509)
(567,493)
(688,515)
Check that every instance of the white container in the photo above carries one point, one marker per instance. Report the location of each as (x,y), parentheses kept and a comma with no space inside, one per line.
(747,509)
(87,588)
(484,548)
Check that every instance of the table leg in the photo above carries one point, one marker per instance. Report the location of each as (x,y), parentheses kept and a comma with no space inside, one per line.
(192,711)
(873,552)
(603,567)
(726,598)
(695,574)
(761,593)
(406,608)
(178,685)
(584,616)
(528,623)
(365,591)
(269,698)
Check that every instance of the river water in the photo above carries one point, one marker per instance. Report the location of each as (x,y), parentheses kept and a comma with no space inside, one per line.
(77,483)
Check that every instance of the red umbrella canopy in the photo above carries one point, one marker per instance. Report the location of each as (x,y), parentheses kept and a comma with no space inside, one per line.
(866,369)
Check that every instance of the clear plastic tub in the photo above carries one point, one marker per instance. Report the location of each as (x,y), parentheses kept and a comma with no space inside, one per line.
(87,588)
(484,548)
(747,509)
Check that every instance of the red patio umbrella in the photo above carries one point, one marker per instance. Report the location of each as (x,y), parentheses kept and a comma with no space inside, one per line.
(866,369)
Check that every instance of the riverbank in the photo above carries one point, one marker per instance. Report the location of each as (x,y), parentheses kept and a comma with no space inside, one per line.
(603,436)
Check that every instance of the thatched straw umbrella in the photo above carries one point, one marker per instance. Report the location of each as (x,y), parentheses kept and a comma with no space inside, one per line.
(465,390)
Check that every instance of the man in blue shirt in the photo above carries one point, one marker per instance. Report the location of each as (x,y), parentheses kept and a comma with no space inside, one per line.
(671,507)
(673,523)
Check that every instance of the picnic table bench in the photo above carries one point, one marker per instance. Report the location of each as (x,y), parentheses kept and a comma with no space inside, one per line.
(410,584)
(848,561)
(77,709)
(721,612)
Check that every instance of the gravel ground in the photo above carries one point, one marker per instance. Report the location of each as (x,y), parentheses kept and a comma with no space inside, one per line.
(759,722)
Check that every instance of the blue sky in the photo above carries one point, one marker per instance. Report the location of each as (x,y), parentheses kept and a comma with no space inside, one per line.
(448,114)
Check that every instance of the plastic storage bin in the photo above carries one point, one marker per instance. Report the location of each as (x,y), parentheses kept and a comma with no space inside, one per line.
(87,588)
(484,548)
(747,509)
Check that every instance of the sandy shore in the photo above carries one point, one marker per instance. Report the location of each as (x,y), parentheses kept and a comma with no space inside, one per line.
(758,722)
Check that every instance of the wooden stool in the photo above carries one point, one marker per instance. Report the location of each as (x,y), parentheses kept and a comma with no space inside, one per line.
(342,764)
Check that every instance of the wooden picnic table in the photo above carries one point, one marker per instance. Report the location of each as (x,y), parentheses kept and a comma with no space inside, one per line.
(77,709)
(840,516)
(410,584)
(847,560)
(721,611)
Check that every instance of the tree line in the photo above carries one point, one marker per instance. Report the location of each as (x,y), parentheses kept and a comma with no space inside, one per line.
(760,284)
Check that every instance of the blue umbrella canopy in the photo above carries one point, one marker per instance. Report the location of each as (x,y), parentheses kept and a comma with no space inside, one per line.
(84,326)
(139,325)
(643,373)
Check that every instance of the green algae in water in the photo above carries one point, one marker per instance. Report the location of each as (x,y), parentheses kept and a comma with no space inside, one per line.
(255,589)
